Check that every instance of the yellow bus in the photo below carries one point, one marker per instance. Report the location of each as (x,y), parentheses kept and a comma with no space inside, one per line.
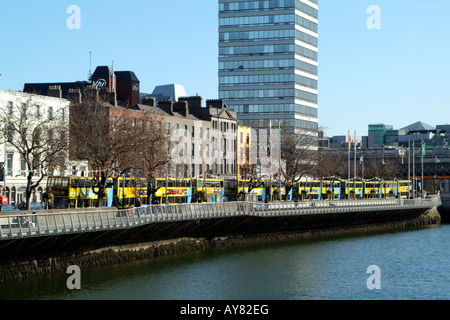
(231,189)
(75,192)
(331,190)
(404,189)
(372,189)
(208,189)
(309,190)
(354,189)
(390,189)
(172,191)
(129,191)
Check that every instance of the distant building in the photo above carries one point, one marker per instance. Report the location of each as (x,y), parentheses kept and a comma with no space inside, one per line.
(377,135)
(166,92)
(124,83)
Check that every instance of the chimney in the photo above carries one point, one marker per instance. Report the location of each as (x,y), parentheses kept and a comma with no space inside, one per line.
(194,102)
(166,105)
(74,96)
(181,107)
(92,92)
(149,101)
(216,103)
(54,91)
(111,97)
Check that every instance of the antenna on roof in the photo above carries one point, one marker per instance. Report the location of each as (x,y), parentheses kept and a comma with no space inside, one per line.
(113,78)
(90,66)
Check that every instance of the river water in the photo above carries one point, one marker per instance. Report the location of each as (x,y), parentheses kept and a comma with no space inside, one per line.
(408,264)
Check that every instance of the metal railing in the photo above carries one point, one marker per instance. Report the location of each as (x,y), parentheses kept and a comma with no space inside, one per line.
(14,226)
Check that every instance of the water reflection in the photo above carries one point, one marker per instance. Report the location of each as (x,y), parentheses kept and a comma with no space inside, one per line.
(414,265)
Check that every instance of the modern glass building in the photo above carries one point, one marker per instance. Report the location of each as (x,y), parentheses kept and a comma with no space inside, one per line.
(268,61)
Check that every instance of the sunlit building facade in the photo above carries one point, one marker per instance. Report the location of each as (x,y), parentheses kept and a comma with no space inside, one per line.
(268,61)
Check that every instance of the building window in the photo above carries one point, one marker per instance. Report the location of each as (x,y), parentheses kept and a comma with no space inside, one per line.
(24,109)
(50,113)
(63,114)
(37,112)
(193,150)
(23,166)
(185,130)
(114,120)
(10,108)
(9,164)
(193,132)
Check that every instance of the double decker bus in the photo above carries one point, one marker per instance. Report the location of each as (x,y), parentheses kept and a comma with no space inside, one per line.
(331,189)
(404,189)
(309,190)
(129,191)
(390,189)
(212,189)
(354,189)
(372,189)
(75,192)
(173,191)
(231,190)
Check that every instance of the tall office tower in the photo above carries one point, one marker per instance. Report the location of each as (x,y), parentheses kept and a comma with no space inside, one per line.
(268,61)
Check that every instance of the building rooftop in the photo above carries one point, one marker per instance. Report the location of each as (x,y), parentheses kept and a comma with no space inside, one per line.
(419,126)
(42,88)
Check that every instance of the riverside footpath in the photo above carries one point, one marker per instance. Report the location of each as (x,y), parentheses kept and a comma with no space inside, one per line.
(49,242)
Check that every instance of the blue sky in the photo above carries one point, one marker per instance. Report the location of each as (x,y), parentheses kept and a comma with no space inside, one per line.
(396,75)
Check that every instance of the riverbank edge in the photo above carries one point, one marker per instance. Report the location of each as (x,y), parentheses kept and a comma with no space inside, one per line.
(45,266)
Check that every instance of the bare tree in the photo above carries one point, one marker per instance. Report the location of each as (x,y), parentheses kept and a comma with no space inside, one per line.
(41,139)
(152,152)
(104,136)
(300,156)
(383,168)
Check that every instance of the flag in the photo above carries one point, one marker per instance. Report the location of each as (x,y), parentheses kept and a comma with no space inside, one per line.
(424,149)
(349,143)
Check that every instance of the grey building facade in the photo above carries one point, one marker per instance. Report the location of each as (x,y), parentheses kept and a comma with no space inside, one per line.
(268,61)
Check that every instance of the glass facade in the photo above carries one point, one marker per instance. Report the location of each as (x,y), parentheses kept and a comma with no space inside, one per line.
(268,61)
(378,136)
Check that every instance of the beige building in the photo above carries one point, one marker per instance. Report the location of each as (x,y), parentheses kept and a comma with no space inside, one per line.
(245,167)
(203,139)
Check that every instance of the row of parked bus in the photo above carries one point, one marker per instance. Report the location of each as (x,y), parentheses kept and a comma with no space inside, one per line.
(78,192)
